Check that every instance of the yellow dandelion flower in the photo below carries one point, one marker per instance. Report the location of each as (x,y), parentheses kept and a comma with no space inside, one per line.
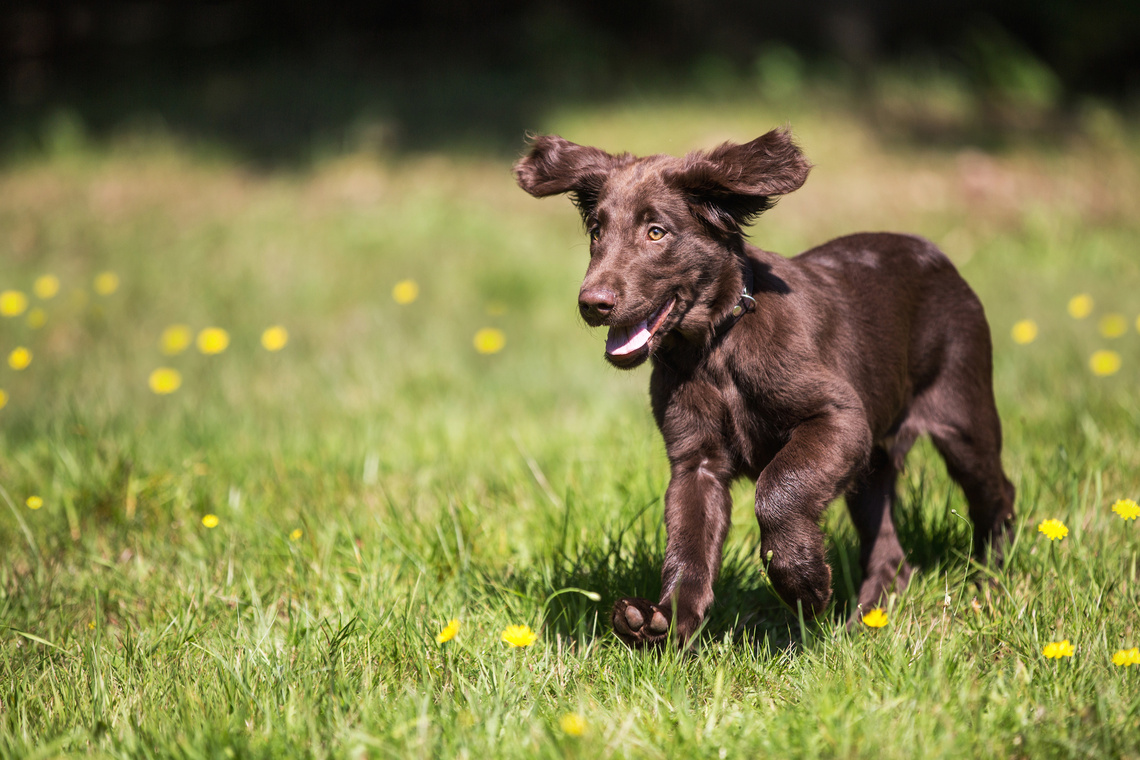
(1104,363)
(213,340)
(13,303)
(1126,658)
(1127,509)
(876,618)
(106,283)
(1112,325)
(405,291)
(3,398)
(275,338)
(490,340)
(20,358)
(175,339)
(448,632)
(165,380)
(519,635)
(1054,529)
(1080,306)
(91,625)
(1055,650)
(34,502)
(572,724)
(1024,332)
(46,286)
(37,318)
(296,534)
(210,521)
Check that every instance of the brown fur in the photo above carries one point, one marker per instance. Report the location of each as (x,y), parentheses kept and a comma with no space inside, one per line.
(853,349)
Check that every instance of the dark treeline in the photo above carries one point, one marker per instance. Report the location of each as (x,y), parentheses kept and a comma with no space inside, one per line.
(269,76)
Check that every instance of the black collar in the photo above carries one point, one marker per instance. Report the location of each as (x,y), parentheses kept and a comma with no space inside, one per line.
(746,303)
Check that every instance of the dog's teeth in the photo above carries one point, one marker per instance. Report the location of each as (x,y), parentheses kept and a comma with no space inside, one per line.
(634,617)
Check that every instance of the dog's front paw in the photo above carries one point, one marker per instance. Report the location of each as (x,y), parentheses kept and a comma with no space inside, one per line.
(640,622)
(806,585)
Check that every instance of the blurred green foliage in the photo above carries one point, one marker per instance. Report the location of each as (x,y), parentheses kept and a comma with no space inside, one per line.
(285,83)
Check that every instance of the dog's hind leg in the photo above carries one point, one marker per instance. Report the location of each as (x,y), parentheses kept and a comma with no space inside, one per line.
(973,459)
(964,426)
(870,500)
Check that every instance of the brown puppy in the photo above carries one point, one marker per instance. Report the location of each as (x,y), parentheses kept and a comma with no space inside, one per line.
(811,375)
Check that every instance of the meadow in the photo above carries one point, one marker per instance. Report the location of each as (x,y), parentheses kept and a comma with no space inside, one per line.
(256,553)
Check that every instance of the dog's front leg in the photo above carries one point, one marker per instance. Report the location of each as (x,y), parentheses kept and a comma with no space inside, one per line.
(791,494)
(698,510)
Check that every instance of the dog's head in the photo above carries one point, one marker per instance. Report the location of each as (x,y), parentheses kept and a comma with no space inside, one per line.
(666,233)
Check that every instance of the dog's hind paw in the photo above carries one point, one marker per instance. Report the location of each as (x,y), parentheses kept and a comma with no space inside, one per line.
(640,622)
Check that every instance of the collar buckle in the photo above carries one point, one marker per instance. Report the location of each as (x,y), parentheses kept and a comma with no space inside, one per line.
(746,303)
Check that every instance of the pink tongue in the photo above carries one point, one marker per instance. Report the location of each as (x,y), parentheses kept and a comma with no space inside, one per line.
(626,340)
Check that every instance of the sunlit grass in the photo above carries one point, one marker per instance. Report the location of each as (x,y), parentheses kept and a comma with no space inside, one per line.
(397,443)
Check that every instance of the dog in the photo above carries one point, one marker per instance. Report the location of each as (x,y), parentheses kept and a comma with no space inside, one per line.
(811,375)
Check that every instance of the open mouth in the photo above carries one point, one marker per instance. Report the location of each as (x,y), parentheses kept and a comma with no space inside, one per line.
(628,340)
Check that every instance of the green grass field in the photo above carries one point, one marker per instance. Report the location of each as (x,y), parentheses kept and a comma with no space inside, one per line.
(378,476)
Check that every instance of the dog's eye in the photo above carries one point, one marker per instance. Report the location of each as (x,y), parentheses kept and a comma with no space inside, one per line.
(595,233)
(656,233)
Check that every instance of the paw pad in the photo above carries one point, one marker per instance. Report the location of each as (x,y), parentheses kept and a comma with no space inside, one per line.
(639,622)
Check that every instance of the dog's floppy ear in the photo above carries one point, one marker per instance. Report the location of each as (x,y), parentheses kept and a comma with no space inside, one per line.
(731,185)
(555,165)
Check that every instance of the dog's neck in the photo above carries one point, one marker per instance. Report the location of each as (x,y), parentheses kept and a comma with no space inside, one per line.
(734,300)
(744,304)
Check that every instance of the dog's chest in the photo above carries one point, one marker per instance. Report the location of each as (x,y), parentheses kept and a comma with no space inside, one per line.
(713,410)
(756,424)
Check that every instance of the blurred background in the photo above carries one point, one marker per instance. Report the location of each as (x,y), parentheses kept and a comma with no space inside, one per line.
(286,81)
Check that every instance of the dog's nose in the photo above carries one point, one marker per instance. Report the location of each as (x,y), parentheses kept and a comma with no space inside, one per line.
(596,302)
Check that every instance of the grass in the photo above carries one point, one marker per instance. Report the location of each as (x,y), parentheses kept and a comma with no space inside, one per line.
(429,481)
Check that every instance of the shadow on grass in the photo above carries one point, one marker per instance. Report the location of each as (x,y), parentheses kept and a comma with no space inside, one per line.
(629,564)
(581,582)
(930,519)
(626,561)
